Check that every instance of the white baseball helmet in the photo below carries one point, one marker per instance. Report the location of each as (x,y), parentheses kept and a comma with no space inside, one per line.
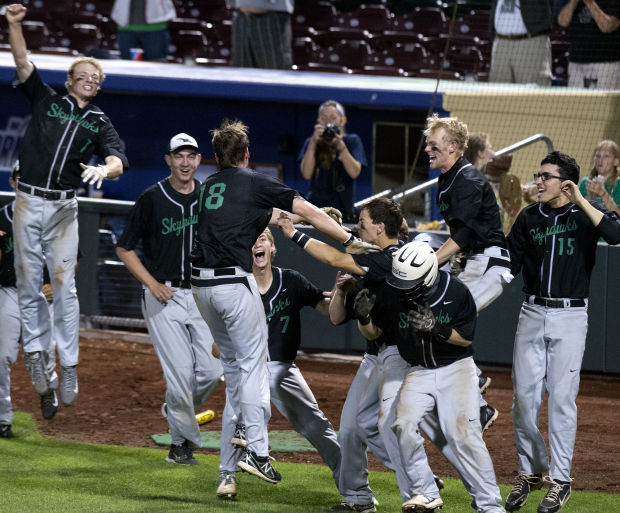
(433,240)
(414,268)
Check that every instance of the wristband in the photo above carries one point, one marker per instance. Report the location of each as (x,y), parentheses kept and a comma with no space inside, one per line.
(301,239)
(349,241)
(365,320)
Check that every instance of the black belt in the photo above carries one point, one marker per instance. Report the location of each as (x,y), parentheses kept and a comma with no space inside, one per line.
(180,284)
(219,271)
(555,303)
(199,282)
(46,193)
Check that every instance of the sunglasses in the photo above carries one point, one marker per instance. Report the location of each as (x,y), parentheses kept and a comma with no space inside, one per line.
(546,176)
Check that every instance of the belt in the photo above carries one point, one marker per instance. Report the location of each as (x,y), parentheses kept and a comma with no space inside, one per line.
(46,193)
(555,303)
(179,284)
(218,271)
(519,37)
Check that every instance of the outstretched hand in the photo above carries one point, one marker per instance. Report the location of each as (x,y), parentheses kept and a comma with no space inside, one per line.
(286,225)
(363,304)
(358,246)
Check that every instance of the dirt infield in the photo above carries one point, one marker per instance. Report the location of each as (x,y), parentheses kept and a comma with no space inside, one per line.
(122,388)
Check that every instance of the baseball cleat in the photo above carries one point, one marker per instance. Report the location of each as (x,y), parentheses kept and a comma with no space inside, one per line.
(238,439)
(181,454)
(227,485)
(488,415)
(36,365)
(421,504)
(5,431)
(259,466)
(524,485)
(49,404)
(557,495)
(484,382)
(351,506)
(69,385)
(439,482)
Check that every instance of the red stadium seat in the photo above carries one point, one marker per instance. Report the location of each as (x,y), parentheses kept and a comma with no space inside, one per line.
(352,54)
(434,74)
(323,68)
(467,61)
(334,35)
(391,38)
(409,57)
(36,34)
(429,21)
(189,43)
(475,23)
(384,71)
(80,36)
(178,24)
(376,19)
(319,15)
(305,50)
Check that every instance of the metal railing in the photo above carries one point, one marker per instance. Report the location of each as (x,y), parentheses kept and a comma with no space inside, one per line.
(423,187)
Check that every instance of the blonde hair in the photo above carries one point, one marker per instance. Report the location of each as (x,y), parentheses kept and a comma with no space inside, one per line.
(615,151)
(332,103)
(456,131)
(267,233)
(84,60)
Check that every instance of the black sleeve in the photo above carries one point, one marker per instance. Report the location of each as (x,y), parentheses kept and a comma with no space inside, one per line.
(109,143)
(139,215)
(516,244)
(465,322)
(306,293)
(609,228)
(269,192)
(34,88)
(465,205)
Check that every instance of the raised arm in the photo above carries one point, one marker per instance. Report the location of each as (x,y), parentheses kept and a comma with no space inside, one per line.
(15,14)
(320,220)
(309,161)
(605,22)
(566,13)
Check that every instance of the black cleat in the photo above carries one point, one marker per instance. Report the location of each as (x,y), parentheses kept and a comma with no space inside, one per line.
(259,466)
(524,485)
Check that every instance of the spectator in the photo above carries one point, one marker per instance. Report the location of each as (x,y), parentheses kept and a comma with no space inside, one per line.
(479,150)
(143,24)
(602,184)
(261,34)
(593,29)
(521,51)
(331,159)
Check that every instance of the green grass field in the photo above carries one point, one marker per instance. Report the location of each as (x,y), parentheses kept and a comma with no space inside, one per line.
(40,474)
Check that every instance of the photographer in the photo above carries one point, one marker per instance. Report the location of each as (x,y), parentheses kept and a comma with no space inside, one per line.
(331,159)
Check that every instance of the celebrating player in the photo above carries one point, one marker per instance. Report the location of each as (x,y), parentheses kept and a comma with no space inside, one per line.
(163,218)
(65,131)
(236,204)
(553,242)
(284,293)
(468,205)
(432,319)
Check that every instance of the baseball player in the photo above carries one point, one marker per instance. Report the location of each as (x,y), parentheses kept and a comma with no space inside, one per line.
(65,131)
(432,318)
(236,204)
(553,243)
(10,334)
(468,205)
(163,218)
(370,402)
(284,293)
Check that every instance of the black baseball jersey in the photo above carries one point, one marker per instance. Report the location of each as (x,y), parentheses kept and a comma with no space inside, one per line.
(234,209)
(451,303)
(164,219)
(288,294)
(60,136)
(556,248)
(7,269)
(378,266)
(468,205)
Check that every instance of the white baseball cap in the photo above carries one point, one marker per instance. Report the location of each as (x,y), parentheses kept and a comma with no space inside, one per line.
(182,141)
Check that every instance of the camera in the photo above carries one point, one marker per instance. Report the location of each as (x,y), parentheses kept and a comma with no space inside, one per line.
(330,131)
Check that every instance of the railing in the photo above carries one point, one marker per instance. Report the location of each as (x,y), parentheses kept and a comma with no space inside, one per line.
(423,187)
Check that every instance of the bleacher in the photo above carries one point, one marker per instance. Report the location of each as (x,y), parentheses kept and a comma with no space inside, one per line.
(430,39)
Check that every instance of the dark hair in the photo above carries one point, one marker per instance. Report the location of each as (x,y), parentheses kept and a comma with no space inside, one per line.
(567,165)
(477,142)
(230,142)
(386,211)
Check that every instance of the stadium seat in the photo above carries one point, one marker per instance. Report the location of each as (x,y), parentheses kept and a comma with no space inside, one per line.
(320,15)
(58,50)
(353,54)
(189,43)
(475,24)
(391,38)
(81,36)
(323,68)
(304,50)
(434,74)
(429,21)
(334,35)
(178,24)
(385,71)
(466,60)
(409,57)
(36,34)
(101,7)
(376,19)
(211,11)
